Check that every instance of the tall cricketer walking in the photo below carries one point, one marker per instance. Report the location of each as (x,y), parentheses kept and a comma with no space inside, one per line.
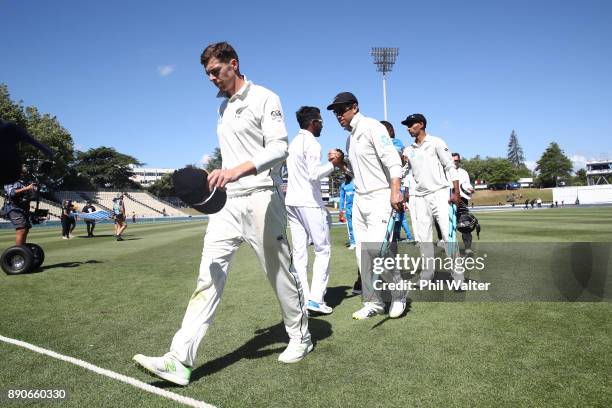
(253,143)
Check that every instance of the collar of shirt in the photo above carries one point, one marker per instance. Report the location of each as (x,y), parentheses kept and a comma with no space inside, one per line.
(355,122)
(416,145)
(306,132)
(242,92)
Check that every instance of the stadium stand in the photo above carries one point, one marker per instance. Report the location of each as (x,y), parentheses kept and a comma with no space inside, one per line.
(141,203)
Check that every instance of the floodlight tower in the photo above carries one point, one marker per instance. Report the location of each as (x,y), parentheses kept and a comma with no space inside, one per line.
(384,58)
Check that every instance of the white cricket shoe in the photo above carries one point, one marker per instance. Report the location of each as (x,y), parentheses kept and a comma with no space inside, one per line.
(398,305)
(164,367)
(317,307)
(365,313)
(352,246)
(295,352)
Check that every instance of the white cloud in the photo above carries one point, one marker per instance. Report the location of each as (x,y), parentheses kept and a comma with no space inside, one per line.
(579,161)
(165,70)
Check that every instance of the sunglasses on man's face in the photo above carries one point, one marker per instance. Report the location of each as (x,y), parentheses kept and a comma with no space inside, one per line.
(319,121)
(342,110)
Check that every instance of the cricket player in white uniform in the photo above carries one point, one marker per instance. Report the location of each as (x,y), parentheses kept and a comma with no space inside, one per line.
(377,171)
(430,161)
(307,215)
(465,190)
(253,143)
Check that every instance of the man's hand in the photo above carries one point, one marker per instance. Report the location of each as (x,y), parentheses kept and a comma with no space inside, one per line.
(397,197)
(336,157)
(455,199)
(397,200)
(221,177)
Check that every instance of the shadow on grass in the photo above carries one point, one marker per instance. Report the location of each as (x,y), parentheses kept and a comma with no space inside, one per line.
(74,264)
(334,296)
(259,347)
(96,236)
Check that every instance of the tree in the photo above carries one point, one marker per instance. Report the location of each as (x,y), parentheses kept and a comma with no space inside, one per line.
(501,171)
(475,167)
(515,152)
(490,170)
(335,179)
(9,110)
(215,161)
(49,131)
(45,128)
(553,167)
(581,178)
(163,186)
(104,167)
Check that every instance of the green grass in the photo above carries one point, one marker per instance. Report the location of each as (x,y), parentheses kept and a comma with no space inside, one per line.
(104,301)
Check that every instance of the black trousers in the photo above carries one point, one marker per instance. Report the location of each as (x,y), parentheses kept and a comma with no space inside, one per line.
(90,227)
(65,226)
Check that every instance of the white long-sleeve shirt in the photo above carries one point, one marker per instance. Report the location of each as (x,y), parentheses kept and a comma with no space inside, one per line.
(464,184)
(305,171)
(430,163)
(251,128)
(373,158)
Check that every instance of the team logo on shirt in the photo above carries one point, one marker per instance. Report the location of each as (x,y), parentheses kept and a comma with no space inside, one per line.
(385,140)
(239,111)
(276,114)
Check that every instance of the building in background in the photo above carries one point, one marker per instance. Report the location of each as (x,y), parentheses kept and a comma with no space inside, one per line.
(146,175)
(599,172)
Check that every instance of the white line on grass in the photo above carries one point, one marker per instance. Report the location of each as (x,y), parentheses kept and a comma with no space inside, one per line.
(111,374)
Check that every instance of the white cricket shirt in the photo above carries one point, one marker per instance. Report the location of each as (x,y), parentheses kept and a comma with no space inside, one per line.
(251,128)
(305,171)
(430,163)
(373,158)
(464,183)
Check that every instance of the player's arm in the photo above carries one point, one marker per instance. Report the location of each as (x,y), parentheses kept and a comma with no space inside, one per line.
(391,160)
(449,166)
(12,192)
(316,170)
(275,147)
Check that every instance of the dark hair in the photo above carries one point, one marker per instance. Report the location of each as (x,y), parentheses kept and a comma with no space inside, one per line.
(221,51)
(389,127)
(307,114)
(347,178)
(456,154)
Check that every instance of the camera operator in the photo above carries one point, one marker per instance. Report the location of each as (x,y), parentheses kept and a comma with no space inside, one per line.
(17,206)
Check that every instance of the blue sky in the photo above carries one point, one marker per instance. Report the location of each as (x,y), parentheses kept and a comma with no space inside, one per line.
(127,74)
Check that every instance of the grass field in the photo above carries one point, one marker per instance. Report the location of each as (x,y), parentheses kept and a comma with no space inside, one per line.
(103,301)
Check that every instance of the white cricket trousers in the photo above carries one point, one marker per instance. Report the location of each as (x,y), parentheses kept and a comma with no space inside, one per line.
(259,219)
(423,210)
(313,223)
(371,213)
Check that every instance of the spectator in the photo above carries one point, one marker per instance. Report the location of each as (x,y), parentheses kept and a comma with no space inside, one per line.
(90,224)
(65,218)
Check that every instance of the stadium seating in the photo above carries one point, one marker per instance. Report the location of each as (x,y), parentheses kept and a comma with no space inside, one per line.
(140,203)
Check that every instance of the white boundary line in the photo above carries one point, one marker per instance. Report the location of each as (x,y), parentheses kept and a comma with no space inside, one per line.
(111,374)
